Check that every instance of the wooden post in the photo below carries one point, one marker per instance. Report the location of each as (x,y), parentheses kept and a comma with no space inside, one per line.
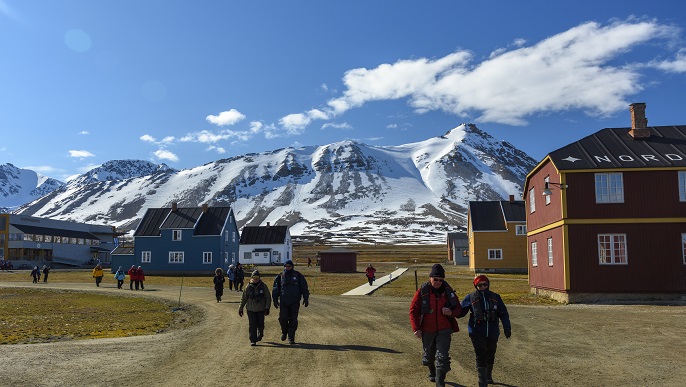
(416,282)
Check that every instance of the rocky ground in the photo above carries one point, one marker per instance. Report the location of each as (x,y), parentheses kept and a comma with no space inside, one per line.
(362,341)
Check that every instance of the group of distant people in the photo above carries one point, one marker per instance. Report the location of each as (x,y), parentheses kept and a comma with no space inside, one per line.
(288,289)
(136,276)
(36,272)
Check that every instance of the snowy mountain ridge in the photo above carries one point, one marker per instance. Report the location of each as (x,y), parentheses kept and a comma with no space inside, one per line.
(343,192)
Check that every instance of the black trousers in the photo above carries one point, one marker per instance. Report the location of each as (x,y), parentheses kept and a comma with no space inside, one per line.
(120,283)
(371,280)
(288,319)
(436,349)
(230,284)
(255,325)
(131,284)
(219,293)
(484,349)
(98,280)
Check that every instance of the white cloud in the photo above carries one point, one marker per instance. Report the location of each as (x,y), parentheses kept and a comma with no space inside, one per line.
(84,132)
(226,118)
(44,169)
(164,154)
(80,153)
(572,70)
(342,125)
(148,138)
(168,139)
(217,149)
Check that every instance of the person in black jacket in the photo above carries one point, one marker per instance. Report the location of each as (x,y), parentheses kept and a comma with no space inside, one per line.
(219,283)
(289,288)
(486,309)
(239,275)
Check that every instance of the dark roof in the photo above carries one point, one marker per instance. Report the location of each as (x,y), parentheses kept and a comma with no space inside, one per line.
(615,148)
(151,222)
(456,236)
(212,221)
(493,215)
(182,218)
(263,235)
(338,250)
(123,250)
(54,231)
(207,223)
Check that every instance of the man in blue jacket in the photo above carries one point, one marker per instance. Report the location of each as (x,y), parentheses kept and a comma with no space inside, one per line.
(289,288)
(486,309)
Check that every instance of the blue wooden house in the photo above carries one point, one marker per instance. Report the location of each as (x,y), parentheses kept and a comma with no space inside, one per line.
(186,240)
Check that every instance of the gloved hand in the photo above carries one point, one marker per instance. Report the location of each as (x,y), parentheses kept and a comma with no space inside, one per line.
(266,312)
(276,304)
(306,303)
(508,334)
(240,312)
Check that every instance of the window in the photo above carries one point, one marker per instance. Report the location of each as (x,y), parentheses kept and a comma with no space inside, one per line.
(176,235)
(682,186)
(495,254)
(534,253)
(612,249)
(207,257)
(146,256)
(550,251)
(521,229)
(233,237)
(547,197)
(38,238)
(532,201)
(683,247)
(609,188)
(226,236)
(176,257)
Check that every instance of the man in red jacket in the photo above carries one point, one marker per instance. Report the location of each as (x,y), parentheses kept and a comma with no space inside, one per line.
(432,316)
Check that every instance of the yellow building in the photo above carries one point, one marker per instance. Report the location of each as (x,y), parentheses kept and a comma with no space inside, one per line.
(497,236)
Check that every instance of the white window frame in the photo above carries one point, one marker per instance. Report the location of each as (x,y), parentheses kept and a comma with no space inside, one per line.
(206,257)
(534,254)
(233,236)
(520,229)
(176,257)
(550,252)
(532,201)
(609,187)
(495,254)
(146,256)
(682,186)
(617,246)
(547,197)
(176,235)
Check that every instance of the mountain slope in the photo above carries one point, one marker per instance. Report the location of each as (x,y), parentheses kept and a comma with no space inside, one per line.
(19,186)
(345,191)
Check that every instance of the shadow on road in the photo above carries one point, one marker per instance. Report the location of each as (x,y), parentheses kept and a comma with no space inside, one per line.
(329,347)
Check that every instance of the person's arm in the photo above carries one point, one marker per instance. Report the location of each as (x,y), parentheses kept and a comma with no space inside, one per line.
(416,313)
(465,306)
(504,317)
(304,290)
(276,290)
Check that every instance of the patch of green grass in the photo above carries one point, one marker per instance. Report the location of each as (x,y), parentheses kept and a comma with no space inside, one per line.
(36,316)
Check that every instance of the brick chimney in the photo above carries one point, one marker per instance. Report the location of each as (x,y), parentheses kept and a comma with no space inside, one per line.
(204,208)
(639,122)
(511,198)
(175,206)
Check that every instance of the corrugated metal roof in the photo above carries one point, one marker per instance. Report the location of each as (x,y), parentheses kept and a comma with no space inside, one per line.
(492,215)
(123,250)
(150,224)
(616,148)
(185,217)
(53,231)
(263,235)
(212,221)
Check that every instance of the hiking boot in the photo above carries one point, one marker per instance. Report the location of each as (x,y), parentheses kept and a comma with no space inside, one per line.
(283,337)
(253,344)
(259,337)
(291,341)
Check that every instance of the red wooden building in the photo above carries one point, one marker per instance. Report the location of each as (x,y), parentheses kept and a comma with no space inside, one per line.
(606,215)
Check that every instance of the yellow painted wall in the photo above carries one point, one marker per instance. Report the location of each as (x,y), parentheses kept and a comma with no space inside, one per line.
(513,247)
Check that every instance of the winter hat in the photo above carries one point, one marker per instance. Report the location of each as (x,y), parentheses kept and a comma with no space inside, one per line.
(480,278)
(255,274)
(289,262)
(437,271)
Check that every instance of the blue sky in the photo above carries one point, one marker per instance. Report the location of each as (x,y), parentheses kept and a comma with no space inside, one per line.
(185,83)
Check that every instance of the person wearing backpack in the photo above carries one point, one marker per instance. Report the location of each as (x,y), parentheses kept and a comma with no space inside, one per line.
(433,313)
(257,300)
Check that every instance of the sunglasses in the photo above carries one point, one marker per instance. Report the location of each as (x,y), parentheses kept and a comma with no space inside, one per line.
(482,285)
(437,279)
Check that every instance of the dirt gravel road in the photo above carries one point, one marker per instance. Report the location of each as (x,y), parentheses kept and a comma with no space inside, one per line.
(362,341)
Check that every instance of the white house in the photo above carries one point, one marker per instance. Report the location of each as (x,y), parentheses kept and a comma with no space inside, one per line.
(265,245)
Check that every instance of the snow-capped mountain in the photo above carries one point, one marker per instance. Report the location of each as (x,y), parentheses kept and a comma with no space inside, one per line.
(344,191)
(19,186)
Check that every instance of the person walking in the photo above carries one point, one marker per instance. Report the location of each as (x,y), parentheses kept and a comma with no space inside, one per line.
(370,272)
(433,313)
(120,276)
(97,274)
(140,276)
(289,288)
(309,261)
(257,300)
(219,283)
(239,276)
(486,309)
(133,277)
(231,274)
(35,273)
(46,271)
